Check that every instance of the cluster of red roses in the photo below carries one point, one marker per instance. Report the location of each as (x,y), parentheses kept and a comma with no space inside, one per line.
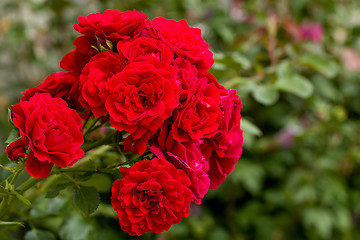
(150,79)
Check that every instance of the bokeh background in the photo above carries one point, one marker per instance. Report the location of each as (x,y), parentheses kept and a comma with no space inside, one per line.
(296,66)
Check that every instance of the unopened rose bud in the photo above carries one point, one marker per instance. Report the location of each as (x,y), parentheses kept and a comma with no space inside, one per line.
(16,150)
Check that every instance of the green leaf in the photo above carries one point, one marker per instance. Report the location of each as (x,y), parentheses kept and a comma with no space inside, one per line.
(76,228)
(37,234)
(3,223)
(9,117)
(56,190)
(343,218)
(109,44)
(266,94)
(321,219)
(295,84)
(86,199)
(13,136)
(322,64)
(101,182)
(244,62)
(250,128)
(285,69)
(250,174)
(21,198)
(304,193)
(4,159)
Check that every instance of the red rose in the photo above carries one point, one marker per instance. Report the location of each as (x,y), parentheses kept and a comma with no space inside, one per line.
(199,116)
(225,148)
(151,197)
(111,24)
(94,78)
(210,79)
(143,47)
(76,60)
(60,84)
(16,150)
(185,156)
(186,77)
(184,41)
(141,97)
(52,131)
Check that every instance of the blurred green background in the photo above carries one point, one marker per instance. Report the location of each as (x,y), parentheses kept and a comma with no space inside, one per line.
(296,66)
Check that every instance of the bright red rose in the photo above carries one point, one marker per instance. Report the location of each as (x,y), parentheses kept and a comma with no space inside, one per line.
(151,197)
(185,156)
(16,150)
(142,48)
(184,41)
(112,24)
(210,79)
(76,60)
(199,116)
(225,148)
(141,97)
(94,77)
(186,77)
(51,130)
(64,85)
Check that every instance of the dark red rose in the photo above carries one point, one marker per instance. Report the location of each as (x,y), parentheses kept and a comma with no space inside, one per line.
(151,197)
(225,148)
(112,25)
(51,130)
(184,41)
(76,60)
(199,116)
(185,156)
(143,47)
(60,84)
(141,97)
(93,80)
(16,150)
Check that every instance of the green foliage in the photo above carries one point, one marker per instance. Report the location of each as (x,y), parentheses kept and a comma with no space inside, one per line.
(39,235)
(86,199)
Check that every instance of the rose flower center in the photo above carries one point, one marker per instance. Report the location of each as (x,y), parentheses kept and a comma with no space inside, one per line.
(150,194)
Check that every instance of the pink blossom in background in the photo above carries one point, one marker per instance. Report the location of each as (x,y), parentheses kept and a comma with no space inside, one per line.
(313,32)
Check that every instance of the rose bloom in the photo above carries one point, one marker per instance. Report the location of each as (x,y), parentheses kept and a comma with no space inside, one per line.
(60,84)
(76,60)
(142,48)
(184,41)
(199,115)
(225,148)
(141,97)
(51,130)
(112,25)
(16,150)
(93,80)
(151,197)
(185,156)
(187,78)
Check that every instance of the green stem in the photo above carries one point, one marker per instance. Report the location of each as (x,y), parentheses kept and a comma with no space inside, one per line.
(87,120)
(4,206)
(90,128)
(99,170)
(72,180)
(103,141)
(28,184)
(17,173)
